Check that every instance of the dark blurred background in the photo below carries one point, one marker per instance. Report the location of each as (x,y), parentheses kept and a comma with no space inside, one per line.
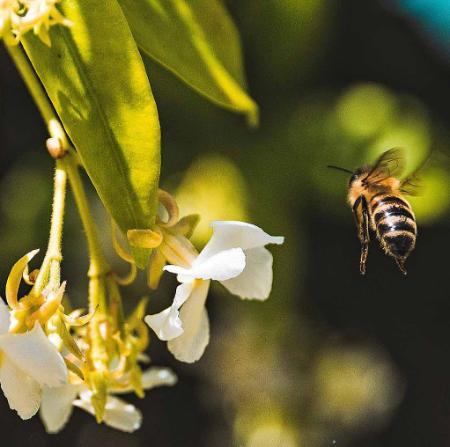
(332,358)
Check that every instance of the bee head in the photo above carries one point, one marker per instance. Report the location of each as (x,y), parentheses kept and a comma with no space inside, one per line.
(355,176)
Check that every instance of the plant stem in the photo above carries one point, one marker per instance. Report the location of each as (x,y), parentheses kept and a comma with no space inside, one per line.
(67,165)
(32,83)
(38,93)
(98,264)
(50,271)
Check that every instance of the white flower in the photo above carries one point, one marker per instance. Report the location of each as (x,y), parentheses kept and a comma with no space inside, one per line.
(28,362)
(235,256)
(57,403)
(19,16)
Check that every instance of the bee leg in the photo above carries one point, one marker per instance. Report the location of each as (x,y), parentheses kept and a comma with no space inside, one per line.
(401,265)
(364,244)
(363,259)
(362,221)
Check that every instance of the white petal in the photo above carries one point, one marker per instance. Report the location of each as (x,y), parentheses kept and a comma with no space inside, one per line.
(255,282)
(154,377)
(23,393)
(190,345)
(182,293)
(231,234)
(151,378)
(118,413)
(33,353)
(4,317)
(167,324)
(224,265)
(56,406)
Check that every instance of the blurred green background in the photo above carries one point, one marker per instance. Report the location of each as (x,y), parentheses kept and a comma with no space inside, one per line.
(332,358)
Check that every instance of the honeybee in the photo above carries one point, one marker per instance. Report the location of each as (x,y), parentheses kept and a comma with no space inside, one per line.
(377,198)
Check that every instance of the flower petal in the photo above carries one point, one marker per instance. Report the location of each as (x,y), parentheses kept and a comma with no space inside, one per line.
(167,324)
(4,317)
(154,377)
(232,234)
(118,413)
(56,406)
(15,278)
(224,265)
(255,282)
(191,344)
(34,354)
(23,393)
(151,378)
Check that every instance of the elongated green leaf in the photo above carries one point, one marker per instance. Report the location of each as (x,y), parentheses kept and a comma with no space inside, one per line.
(196,40)
(95,78)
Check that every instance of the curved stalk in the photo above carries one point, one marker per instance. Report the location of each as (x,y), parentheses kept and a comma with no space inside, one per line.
(98,264)
(67,165)
(50,272)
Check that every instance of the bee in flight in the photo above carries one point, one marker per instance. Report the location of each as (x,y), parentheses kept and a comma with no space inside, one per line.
(376,196)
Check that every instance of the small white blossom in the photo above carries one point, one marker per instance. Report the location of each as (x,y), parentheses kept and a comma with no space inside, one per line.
(57,403)
(235,256)
(18,17)
(28,362)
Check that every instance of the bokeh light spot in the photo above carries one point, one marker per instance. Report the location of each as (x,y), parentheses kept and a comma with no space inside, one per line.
(364,109)
(214,188)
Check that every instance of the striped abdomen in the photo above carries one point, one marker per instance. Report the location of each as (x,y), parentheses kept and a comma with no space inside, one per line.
(395,224)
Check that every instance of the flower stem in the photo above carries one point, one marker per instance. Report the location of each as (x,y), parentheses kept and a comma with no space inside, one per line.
(50,272)
(32,83)
(37,91)
(98,264)
(66,166)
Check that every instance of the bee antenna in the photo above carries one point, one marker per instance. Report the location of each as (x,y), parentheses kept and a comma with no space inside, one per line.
(340,169)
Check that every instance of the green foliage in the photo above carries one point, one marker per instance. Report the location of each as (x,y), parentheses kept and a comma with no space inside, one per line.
(96,81)
(95,78)
(198,42)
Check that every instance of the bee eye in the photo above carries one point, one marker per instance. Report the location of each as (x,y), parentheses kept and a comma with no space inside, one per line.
(353,178)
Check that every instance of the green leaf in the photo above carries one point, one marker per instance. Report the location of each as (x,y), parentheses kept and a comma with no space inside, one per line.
(94,75)
(196,40)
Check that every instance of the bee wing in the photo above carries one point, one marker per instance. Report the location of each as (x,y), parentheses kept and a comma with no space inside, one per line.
(411,185)
(390,164)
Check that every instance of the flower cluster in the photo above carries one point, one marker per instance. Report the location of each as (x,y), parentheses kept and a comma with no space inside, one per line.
(18,17)
(54,361)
